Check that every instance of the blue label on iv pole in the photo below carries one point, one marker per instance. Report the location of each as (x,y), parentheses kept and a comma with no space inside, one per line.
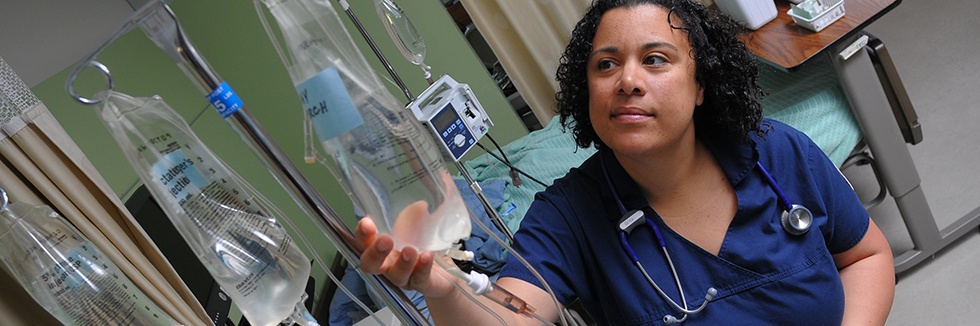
(178,175)
(224,99)
(328,104)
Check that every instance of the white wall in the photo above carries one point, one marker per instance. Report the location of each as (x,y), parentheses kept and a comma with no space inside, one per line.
(39,38)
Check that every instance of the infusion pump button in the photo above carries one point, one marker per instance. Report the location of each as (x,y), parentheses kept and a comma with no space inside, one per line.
(460,140)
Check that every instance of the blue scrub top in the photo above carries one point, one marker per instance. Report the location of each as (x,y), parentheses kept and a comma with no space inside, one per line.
(763,274)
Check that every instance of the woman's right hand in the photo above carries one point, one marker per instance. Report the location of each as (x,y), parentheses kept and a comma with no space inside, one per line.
(408,268)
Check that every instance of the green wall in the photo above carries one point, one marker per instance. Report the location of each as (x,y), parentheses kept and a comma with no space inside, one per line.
(229,35)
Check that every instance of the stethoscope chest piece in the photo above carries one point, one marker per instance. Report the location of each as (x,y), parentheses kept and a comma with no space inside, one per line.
(797,220)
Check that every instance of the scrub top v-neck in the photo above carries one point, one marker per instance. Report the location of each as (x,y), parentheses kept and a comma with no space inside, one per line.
(763,275)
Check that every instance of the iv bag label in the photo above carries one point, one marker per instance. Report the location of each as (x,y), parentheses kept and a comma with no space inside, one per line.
(328,104)
(178,175)
(87,288)
(224,99)
(70,271)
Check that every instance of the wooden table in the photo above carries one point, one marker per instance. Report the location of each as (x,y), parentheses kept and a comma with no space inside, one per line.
(787,45)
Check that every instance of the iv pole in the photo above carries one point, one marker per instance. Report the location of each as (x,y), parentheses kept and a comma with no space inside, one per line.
(474,186)
(166,32)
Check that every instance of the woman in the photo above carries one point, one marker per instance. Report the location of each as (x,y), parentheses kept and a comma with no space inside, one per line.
(669,95)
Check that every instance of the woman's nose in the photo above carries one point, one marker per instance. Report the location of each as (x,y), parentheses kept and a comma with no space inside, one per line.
(629,81)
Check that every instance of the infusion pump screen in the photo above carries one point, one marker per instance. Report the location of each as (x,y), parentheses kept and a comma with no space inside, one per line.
(455,136)
(445,119)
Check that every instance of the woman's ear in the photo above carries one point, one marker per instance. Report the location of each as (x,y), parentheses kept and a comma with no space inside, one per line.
(700,98)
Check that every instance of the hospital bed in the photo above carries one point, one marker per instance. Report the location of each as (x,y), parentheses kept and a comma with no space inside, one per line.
(841,88)
(856,110)
(880,106)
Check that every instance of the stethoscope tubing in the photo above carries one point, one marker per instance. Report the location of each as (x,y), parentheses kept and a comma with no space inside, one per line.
(663,246)
(796,219)
(670,262)
(783,199)
(789,210)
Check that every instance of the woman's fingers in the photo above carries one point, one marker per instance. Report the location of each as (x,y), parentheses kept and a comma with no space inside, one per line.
(401,268)
(376,248)
(407,268)
(421,273)
(364,233)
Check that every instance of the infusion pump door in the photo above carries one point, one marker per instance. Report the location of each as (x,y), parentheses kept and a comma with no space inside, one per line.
(453,115)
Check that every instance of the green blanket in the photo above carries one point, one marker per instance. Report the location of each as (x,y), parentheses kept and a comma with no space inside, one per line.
(812,101)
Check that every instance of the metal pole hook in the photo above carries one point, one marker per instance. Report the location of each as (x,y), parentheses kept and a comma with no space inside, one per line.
(133,21)
(70,84)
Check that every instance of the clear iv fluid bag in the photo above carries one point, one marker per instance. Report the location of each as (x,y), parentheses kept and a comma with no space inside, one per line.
(68,275)
(392,166)
(406,37)
(225,223)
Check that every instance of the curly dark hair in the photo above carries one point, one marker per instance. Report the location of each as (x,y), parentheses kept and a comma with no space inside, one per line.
(723,66)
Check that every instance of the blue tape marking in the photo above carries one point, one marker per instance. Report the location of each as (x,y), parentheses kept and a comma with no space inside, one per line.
(224,99)
(328,104)
(178,175)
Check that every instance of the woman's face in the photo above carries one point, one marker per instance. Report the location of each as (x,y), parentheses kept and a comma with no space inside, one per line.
(642,90)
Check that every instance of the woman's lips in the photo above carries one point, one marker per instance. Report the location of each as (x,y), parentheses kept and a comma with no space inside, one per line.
(631,114)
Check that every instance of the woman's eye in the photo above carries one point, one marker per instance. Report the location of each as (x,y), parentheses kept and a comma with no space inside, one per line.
(655,60)
(604,64)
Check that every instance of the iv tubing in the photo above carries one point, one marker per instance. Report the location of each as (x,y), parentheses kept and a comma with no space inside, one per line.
(474,186)
(306,243)
(497,220)
(480,284)
(492,213)
(286,173)
(311,155)
(510,251)
(254,135)
(488,151)
(463,290)
(377,52)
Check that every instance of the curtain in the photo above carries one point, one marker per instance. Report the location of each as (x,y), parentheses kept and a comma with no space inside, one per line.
(41,165)
(528,38)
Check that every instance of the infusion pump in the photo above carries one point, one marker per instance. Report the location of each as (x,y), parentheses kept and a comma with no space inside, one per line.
(453,115)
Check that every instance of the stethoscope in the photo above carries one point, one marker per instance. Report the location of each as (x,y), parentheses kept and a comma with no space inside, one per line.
(796,220)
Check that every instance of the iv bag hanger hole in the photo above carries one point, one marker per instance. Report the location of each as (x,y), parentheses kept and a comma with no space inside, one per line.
(148,10)
(78,73)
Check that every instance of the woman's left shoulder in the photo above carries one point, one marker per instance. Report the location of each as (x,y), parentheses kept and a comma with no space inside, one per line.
(778,135)
(776,128)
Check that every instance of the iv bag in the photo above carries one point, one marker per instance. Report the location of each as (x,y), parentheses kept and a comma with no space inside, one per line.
(407,38)
(68,275)
(390,163)
(226,224)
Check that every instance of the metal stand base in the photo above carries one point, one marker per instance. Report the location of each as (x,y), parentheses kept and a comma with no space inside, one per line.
(872,107)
